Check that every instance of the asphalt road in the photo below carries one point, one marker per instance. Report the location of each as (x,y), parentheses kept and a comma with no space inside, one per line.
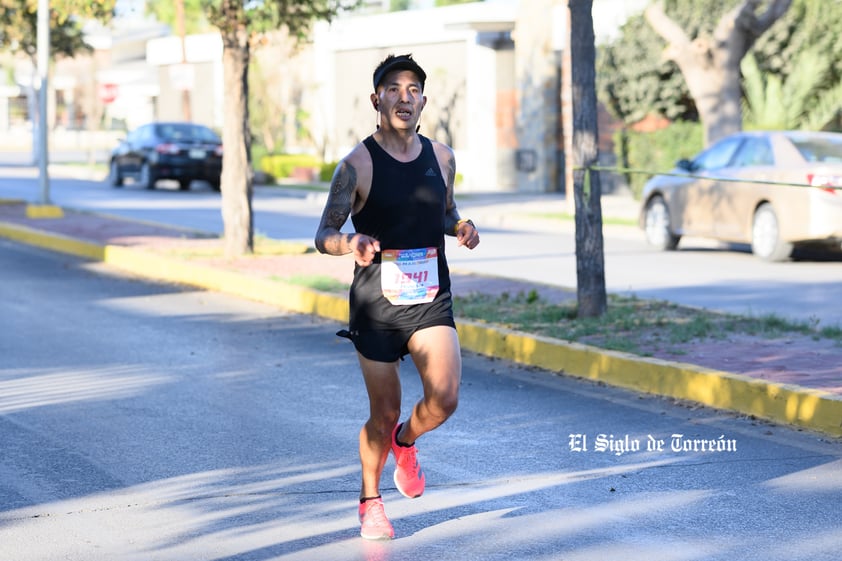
(514,245)
(143,421)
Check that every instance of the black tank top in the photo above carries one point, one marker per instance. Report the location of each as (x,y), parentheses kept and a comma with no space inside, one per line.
(405,209)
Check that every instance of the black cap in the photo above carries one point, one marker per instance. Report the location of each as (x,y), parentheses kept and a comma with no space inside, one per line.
(401,62)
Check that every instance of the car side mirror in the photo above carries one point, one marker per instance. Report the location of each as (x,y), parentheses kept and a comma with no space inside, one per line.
(684,164)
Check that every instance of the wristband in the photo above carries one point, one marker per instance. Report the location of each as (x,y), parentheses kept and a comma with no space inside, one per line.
(462,221)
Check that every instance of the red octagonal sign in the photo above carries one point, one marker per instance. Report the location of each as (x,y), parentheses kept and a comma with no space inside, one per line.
(107,92)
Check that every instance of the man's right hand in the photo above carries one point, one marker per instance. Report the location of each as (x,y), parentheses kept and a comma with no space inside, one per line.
(364,249)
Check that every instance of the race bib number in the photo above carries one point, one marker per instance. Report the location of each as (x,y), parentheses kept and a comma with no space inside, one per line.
(409,276)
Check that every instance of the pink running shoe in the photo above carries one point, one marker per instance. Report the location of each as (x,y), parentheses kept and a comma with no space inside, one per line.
(375,525)
(409,479)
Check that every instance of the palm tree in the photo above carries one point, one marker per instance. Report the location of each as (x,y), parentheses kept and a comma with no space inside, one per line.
(802,100)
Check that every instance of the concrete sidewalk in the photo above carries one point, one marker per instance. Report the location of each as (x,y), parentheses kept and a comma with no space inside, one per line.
(158,252)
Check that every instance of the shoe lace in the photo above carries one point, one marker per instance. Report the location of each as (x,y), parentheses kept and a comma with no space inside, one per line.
(409,457)
(375,514)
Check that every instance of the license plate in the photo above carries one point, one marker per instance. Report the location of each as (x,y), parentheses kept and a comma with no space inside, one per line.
(197,154)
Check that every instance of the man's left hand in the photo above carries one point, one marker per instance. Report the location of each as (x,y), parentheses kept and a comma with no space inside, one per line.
(467,235)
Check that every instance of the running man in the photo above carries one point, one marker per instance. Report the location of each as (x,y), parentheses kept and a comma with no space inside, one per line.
(397,188)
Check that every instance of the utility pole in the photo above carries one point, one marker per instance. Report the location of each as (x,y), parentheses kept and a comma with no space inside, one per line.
(43,63)
(567,114)
(185,93)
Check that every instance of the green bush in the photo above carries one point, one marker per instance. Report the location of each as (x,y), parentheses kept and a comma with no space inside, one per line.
(258,152)
(647,153)
(326,173)
(284,165)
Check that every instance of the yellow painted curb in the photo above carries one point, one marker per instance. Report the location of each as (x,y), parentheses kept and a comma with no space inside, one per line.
(781,403)
(55,242)
(812,409)
(287,296)
(44,211)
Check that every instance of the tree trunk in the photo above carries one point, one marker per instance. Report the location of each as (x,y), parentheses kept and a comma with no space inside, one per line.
(236,158)
(718,98)
(590,258)
(711,65)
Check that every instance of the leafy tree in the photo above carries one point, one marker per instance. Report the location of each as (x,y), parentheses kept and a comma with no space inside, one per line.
(590,255)
(801,100)
(635,78)
(194,14)
(276,96)
(266,116)
(19,34)
(797,59)
(19,25)
(710,60)
(242,24)
(806,24)
(633,82)
(401,5)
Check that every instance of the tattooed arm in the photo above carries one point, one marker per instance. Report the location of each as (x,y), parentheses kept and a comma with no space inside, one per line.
(447,162)
(464,230)
(347,193)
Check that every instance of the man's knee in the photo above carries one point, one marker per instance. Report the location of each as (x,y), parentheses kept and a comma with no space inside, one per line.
(444,403)
(450,405)
(385,419)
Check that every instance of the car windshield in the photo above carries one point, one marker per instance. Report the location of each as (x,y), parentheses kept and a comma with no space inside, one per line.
(818,149)
(186,132)
(717,156)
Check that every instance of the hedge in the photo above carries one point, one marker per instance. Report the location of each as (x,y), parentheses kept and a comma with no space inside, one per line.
(284,165)
(657,151)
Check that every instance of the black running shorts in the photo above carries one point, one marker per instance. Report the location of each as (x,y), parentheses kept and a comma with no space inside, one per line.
(389,345)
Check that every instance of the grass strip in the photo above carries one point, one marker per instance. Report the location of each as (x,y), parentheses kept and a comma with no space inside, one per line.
(630,324)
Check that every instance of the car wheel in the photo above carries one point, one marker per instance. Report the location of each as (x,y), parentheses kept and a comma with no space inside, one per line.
(657,225)
(114,177)
(147,176)
(215,184)
(766,240)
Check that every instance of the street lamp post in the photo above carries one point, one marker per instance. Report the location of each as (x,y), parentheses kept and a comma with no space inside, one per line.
(43,39)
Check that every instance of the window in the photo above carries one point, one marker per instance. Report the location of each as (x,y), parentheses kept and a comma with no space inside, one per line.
(186,132)
(754,152)
(818,149)
(717,156)
(144,134)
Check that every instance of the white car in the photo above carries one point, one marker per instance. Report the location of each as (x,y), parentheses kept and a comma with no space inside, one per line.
(773,189)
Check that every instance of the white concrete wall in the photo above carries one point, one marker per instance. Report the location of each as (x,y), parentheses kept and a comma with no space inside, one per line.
(465,78)
(461,79)
(204,57)
(478,161)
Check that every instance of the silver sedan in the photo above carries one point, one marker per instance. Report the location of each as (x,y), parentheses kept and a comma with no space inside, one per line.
(773,189)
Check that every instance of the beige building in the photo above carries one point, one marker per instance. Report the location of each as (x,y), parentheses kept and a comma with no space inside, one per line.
(494,83)
(468,55)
